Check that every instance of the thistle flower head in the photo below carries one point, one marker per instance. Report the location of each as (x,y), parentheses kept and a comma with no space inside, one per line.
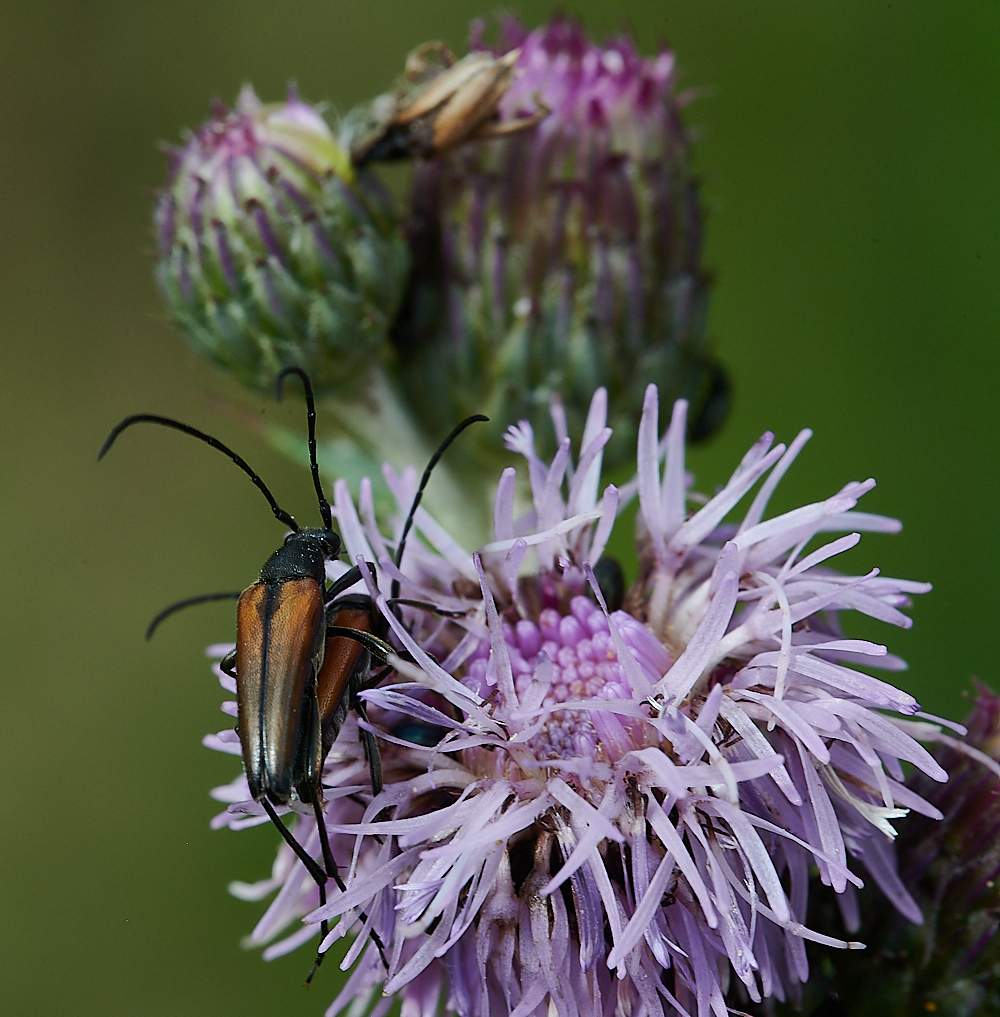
(274,251)
(590,810)
(564,257)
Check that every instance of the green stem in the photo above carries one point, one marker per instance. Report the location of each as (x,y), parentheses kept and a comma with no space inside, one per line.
(378,427)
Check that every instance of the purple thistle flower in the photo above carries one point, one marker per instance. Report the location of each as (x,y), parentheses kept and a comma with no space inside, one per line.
(591,811)
(563,257)
(274,250)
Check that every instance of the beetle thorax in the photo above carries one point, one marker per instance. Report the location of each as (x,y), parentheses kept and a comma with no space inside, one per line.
(303,555)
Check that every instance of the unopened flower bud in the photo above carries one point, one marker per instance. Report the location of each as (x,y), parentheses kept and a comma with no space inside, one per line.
(562,257)
(946,958)
(274,250)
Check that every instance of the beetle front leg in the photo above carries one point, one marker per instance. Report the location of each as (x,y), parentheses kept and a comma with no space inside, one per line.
(345,582)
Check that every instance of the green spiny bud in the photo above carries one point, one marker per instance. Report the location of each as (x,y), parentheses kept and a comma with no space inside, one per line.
(274,250)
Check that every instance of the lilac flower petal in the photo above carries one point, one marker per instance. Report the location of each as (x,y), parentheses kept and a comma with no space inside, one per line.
(672,493)
(387,699)
(638,681)
(551,506)
(688,668)
(830,837)
(758,745)
(889,735)
(759,460)
(796,928)
(881,863)
(534,539)
(821,554)
(643,914)
(664,829)
(597,416)
(366,507)
(843,679)
(521,439)
(598,828)
(864,521)
(788,717)
(830,860)
(503,506)
(224,741)
(756,511)
(499,656)
(511,822)
(782,532)
(575,501)
(351,532)
(648,471)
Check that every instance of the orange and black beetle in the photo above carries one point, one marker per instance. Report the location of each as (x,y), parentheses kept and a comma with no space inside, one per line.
(292,697)
(303,651)
(301,656)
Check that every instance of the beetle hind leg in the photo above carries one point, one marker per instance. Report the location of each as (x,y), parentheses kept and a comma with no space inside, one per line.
(332,871)
(319,877)
(329,863)
(371,749)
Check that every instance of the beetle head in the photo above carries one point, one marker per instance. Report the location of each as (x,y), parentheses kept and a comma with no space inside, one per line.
(326,542)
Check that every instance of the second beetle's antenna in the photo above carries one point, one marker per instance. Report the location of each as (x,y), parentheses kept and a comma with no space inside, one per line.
(441,449)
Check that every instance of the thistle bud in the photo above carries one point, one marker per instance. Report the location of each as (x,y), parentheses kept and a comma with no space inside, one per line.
(949,865)
(274,250)
(951,964)
(564,256)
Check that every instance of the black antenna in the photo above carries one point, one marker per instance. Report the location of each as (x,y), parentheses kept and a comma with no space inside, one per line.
(441,449)
(324,505)
(187,602)
(150,418)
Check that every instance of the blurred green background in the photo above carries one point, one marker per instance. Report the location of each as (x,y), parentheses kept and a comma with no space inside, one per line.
(850,157)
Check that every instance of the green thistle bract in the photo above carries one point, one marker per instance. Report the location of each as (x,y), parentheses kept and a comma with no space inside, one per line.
(274,250)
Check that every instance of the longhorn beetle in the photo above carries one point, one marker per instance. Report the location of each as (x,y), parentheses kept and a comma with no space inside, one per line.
(303,652)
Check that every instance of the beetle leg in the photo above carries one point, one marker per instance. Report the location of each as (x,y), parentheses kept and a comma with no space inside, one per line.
(494,129)
(331,868)
(187,602)
(345,582)
(417,64)
(371,746)
(329,862)
(328,856)
(378,648)
(228,664)
(309,753)
(423,605)
(318,875)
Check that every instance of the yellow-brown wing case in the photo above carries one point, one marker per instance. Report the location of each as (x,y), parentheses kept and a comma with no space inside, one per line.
(278,625)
